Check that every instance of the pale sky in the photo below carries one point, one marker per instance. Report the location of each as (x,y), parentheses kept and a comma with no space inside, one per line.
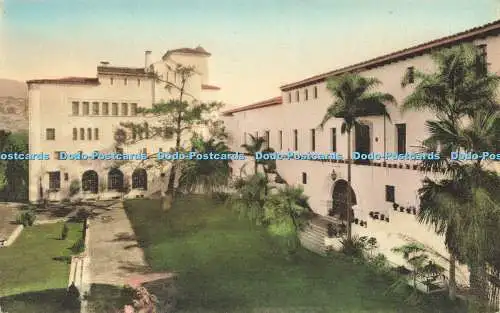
(256,45)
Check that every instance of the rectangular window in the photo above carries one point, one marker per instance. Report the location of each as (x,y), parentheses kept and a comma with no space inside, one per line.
(295,140)
(54,180)
(82,133)
(266,137)
(289,97)
(133,109)
(411,74)
(125,82)
(86,108)
(95,108)
(75,134)
(304,178)
(96,133)
(105,108)
(50,134)
(401,138)
(76,108)
(315,92)
(280,136)
(389,193)
(124,109)
(482,60)
(138,82)
(114,109)
(66,176)
(313,139)
(297,96)
(111,81)
(333,139)
(89,133)
(306,94)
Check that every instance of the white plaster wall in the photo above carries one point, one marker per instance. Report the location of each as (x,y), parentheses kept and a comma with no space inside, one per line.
(50,106)
(368,182)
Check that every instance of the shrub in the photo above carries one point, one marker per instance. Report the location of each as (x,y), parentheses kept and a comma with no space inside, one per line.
(221,196)
(64,232)
(74,187)
(78,247)
(26,218)
(72,298)
(354,247)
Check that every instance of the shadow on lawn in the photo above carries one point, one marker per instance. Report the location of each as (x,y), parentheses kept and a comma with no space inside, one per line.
(36,302)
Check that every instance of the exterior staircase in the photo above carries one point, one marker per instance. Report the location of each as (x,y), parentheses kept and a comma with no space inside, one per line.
(313,236)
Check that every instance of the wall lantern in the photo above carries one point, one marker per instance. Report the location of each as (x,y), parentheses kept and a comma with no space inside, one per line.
(333,175)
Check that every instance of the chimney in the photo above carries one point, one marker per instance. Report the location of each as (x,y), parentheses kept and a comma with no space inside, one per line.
(104,63)
(147,61)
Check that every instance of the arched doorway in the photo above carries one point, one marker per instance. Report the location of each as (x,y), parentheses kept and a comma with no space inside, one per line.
(140,179)
(90,182)
(115,179)
(339,200)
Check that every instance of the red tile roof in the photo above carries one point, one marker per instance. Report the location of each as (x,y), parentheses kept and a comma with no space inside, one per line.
(258,105)
(465,36)
(135,71)
(198,50)
(66,81)
(209,87)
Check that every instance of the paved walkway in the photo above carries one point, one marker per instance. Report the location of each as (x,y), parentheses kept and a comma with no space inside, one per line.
(114,255)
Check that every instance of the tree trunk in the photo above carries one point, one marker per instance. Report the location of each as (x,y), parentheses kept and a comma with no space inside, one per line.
(479,283)
(452,284)
(173,172)
(349,200)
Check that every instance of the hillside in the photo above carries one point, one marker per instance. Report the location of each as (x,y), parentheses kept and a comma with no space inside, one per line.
(13,105)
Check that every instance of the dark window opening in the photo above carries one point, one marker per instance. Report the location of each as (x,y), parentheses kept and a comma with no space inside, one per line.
(401,138)
(389,193)
(411,74)
(313,139)
(295,140)
(315,92)
(266,137)
(304,178)
(306,94)
(54,180)
(281,139)
(333,134)
(50,134)
(482,61)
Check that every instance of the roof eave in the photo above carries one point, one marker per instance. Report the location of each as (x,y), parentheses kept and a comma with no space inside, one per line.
(466,36)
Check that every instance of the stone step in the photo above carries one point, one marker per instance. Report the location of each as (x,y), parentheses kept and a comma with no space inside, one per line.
(312,237)
(314,248)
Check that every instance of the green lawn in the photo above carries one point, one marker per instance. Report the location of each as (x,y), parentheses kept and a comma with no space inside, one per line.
(226,264)
(34,271)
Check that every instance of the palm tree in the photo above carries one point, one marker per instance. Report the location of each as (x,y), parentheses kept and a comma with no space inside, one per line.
(455,90)
(354,98)
(286,213)
(210,175)
(250,197)
(4,136)
(256,145)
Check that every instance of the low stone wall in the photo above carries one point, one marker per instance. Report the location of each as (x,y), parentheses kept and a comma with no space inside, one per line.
(14,235)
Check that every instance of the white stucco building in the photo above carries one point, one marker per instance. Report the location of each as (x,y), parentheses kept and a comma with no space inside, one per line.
(75,114)
(290,122)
